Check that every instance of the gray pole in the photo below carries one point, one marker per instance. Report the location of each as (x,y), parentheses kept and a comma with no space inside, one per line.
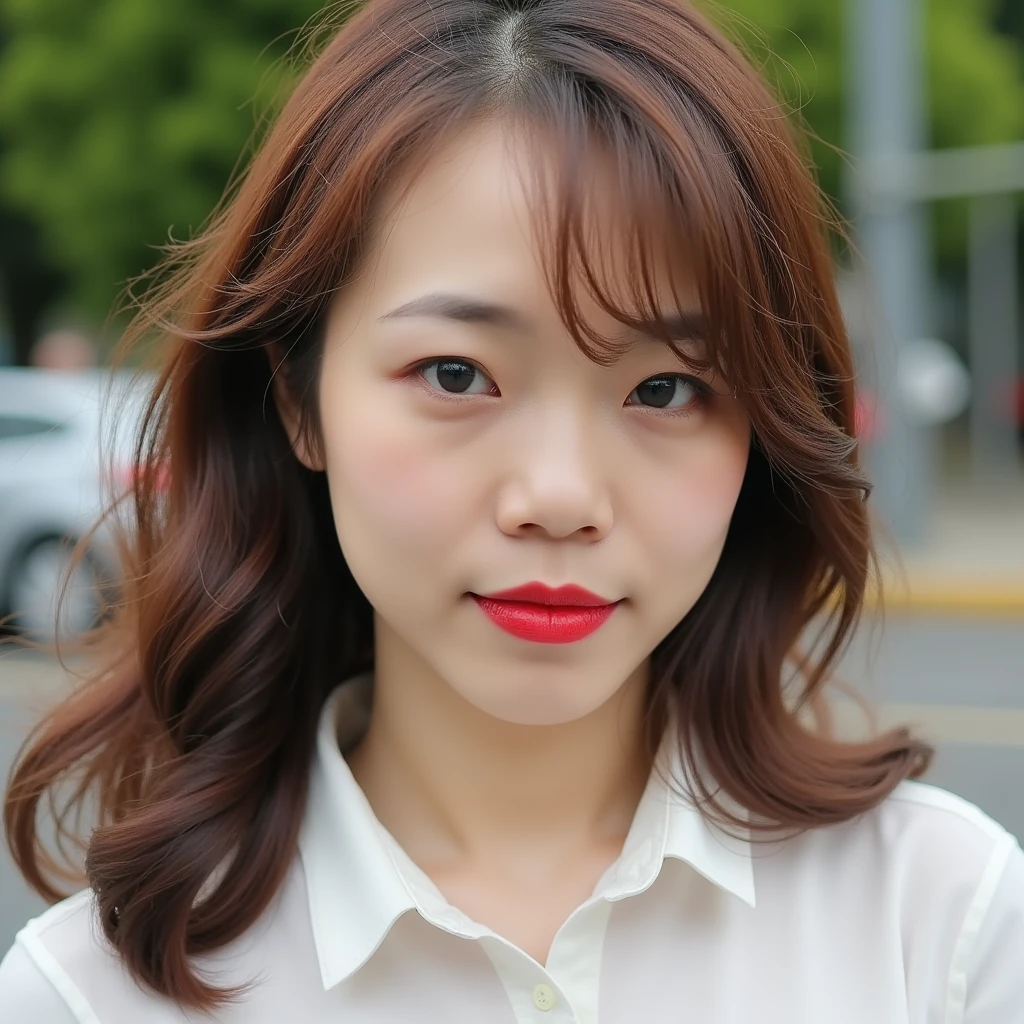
(886,125)
(993,336)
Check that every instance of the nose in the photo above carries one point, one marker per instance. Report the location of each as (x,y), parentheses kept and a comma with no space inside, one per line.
(557,482)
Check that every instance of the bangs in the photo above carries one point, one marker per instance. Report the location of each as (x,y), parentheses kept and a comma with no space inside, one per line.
(612,219)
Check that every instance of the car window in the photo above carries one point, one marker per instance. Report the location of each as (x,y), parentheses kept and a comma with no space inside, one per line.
(24,426)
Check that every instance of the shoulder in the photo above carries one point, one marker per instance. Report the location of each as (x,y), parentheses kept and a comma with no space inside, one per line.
(917,828)
(932,803)
(932,865)
(942,841)
(949,881)
(945,845)
(63,970)
(35,984)
(962,863)
(917,814)
(927,844)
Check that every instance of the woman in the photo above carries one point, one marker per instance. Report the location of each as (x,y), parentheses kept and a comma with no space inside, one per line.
(503,457)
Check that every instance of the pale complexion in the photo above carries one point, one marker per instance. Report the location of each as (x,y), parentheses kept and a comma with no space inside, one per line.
(509,770)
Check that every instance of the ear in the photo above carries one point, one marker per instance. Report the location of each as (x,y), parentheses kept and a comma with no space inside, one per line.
(288,408)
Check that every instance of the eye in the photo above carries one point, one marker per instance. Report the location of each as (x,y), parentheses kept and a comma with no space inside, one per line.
(673,392)
(454,377)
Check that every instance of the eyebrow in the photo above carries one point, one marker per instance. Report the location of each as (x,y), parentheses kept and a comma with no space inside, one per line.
(682,326)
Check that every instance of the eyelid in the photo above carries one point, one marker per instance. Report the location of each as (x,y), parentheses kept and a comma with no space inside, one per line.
(702,387)
(703,392)
(417,371)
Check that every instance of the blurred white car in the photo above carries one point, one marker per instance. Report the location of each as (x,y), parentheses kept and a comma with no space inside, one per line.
(56,452)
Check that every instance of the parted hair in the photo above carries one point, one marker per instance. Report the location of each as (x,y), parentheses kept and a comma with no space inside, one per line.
(191,735)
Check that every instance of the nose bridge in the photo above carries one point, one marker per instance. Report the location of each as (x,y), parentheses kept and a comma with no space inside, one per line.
(559,472)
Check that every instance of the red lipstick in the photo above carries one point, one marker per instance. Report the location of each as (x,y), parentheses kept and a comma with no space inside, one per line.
(546,615)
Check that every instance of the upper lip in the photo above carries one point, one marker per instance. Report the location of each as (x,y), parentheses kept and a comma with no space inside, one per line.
(541,593)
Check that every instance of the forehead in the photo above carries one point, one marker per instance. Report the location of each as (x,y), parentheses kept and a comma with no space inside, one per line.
(485,203)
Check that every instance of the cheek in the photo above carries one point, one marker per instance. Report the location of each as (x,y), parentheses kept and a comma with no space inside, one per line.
(389,484)
(690,516)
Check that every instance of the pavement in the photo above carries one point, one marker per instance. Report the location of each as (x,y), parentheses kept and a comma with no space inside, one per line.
(970,559)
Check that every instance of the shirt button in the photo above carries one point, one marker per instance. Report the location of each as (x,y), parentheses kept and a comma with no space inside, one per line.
(543,996)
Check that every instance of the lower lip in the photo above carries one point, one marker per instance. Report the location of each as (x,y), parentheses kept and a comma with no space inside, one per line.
(543,623)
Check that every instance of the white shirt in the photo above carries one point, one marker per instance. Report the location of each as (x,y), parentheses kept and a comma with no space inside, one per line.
(911,914)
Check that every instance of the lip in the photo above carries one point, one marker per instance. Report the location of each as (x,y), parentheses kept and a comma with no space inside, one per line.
(541,593)
(543,614)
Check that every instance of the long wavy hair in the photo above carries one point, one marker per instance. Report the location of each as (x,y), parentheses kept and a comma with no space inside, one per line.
(192,733)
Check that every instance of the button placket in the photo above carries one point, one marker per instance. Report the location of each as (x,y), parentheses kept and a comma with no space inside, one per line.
(574,961)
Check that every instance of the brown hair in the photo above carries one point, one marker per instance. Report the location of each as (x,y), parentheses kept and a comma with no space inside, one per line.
(238,614)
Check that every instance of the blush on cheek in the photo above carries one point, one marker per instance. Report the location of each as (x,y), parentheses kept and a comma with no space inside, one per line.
(694,516)
(396,487)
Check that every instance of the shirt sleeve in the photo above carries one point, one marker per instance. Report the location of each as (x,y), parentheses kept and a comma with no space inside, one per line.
(995,964)
(26,995)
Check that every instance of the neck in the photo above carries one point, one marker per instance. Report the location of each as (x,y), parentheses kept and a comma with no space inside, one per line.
(452,783)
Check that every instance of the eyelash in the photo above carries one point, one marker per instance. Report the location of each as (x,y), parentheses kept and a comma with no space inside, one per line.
(702,390)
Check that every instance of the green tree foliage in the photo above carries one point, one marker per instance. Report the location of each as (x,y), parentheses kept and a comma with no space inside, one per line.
(1010,18)
(124,119)
(121,120)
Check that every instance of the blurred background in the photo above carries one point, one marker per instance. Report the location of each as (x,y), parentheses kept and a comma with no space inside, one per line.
(121,122)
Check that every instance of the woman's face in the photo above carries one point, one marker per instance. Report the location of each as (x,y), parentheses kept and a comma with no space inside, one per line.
(474,452)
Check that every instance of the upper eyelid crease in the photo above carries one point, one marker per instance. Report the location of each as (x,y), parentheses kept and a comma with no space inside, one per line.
(694,377)
(702,387)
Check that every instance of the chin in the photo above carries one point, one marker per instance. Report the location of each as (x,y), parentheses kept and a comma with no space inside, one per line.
(539,717)
(537,709)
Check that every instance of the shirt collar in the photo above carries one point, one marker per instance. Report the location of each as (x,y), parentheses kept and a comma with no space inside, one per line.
(359,881)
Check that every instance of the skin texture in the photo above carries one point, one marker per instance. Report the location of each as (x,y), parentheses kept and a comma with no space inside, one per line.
(508,770)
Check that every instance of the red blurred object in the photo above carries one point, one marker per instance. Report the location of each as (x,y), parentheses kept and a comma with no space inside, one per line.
(867,417)
(126,477)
